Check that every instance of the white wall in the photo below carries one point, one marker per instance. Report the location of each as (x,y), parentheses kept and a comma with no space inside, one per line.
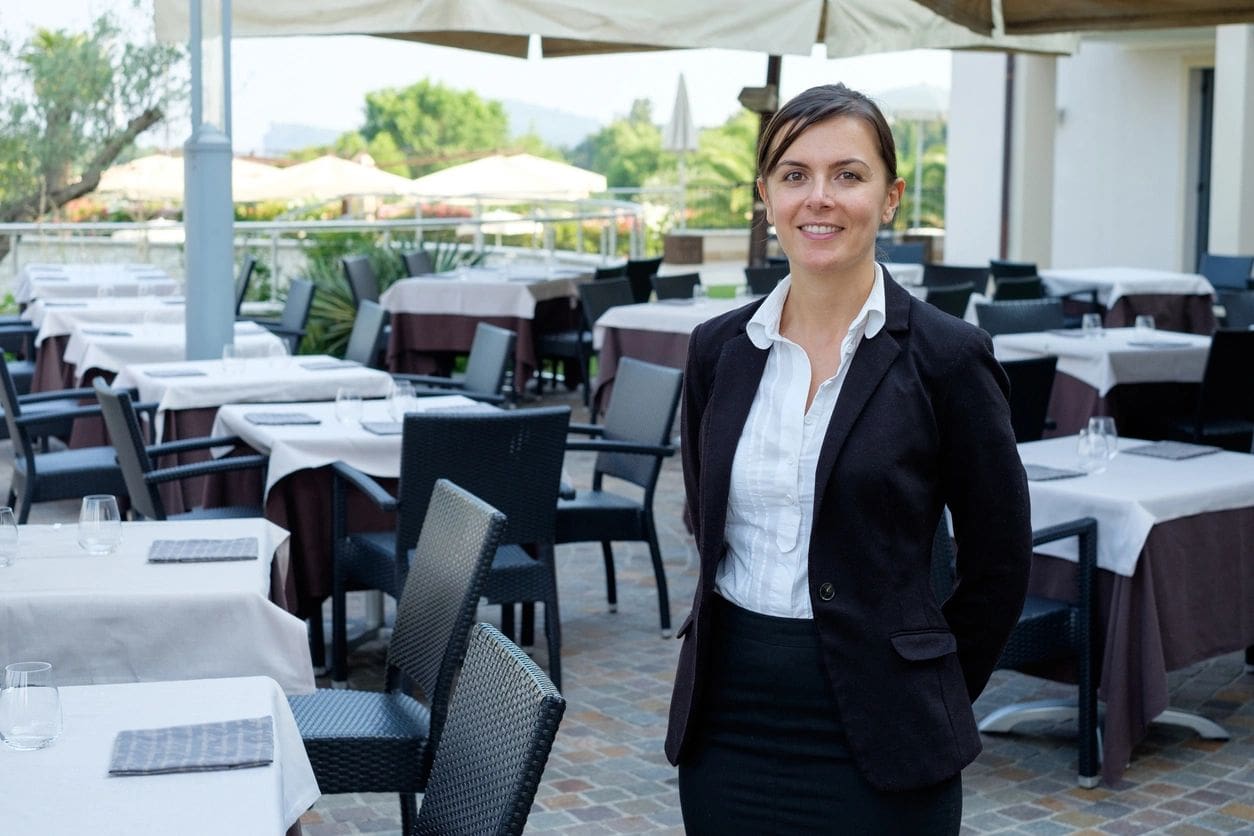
(973,170)
(1032,161)
(1232,178)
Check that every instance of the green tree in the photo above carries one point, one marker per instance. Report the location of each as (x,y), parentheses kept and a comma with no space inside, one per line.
(428,122)
(70,104)
(627,151)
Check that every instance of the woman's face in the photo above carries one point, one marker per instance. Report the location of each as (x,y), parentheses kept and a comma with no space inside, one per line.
(828,196)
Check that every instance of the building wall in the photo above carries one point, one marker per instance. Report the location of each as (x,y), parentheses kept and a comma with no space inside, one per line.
(973,170)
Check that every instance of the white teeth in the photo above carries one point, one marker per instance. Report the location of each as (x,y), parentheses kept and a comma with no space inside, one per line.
(817,229)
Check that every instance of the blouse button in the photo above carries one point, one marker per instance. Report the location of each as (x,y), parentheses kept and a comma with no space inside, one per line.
(827,592)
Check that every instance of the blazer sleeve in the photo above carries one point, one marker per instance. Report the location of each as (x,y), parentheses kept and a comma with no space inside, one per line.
(987,494)
(697,373)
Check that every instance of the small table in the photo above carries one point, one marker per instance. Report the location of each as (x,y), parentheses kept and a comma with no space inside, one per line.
(45,280)
(1175,572)
(117,618)
(59,317)
(66,788)
(110,348)
(1177,301)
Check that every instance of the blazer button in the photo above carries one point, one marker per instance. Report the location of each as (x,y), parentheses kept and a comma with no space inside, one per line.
(827,592)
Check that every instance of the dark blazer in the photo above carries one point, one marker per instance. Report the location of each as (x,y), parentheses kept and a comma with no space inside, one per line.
(922,422)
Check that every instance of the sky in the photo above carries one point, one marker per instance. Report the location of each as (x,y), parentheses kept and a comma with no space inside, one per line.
(322,82)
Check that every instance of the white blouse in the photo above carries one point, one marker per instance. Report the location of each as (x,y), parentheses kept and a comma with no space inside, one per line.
(770,506)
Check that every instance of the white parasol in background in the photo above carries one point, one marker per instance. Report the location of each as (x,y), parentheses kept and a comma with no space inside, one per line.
(680,137)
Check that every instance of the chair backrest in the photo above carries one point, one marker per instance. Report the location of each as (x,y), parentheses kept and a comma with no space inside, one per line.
(363,284)
(642,409)
(618,271)
(598,297)
(241,281)
(300,294)
(1031,382)
(417,263)
(762,280)
(460,533)
(912,252)
(1019,316)
(1012,269)
(1024,287)
(640,272)
(1227,271)
(1227,390)
(676,286)
(363,340)
(777,261)
(1238,307)
(952,299)
(128,441)
(501,723)
(510,459)
(939,275)
(12,410)
(491,353)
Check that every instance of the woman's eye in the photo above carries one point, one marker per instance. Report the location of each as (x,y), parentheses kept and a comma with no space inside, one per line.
(848,175)
(792,176)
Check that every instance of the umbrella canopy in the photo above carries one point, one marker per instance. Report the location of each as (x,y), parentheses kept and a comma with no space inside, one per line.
(680,134)
(160,177)
(1033,16)
(915,102)
(515,175)
(329,177)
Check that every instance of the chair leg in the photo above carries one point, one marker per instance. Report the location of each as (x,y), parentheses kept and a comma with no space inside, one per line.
(23,511)
(659,575)
(339,635)
(317,641)
(527,635)
(409,812)
(507,620)
(12,500)
(611,583)
(553,630)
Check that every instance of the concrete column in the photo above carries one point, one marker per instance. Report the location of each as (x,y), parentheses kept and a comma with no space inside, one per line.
(1033,125)
(973,167)
(1232,144)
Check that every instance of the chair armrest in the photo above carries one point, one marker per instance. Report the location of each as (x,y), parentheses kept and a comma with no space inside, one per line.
(586,429)
(366,484)
(608,446)
(37,418)
(187,471)
(57,395)
(430,380)
(171,447)
(1085,528)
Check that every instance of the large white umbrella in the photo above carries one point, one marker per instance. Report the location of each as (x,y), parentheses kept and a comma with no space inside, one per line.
(159,177)
(329,177)
(680,137)
(516,176)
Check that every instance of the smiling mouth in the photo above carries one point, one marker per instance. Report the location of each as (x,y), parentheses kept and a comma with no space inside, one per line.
(819,229)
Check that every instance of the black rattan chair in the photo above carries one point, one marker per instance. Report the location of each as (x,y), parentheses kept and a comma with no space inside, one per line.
(1012,269)
(18,339)
(618,271)
(640,272)
(1227,272)
(62,474)
(246,268)
(952,299)
(143,479)
(1031,383)
(1224,414)
(1019,317)
(512,460)
(487,366)
(595,298)
(762,280)
(1015,289)
(1238,308)
(291,324)
(363,284)
(417,263)
(676,286)
(941,275)
(371,741)
(630,446)
(912,252)
(366,339)
(496,741)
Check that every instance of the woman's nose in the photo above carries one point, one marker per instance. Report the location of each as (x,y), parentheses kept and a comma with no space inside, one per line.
(820,193)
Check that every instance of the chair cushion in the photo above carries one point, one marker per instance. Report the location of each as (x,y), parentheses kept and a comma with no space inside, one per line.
(598,515)
(364,741)
(564,343)
(369,562)
(1044,632)
(67,474)
(517,576)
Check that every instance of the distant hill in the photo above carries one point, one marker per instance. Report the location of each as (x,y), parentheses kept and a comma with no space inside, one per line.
(555,127)
(282,137)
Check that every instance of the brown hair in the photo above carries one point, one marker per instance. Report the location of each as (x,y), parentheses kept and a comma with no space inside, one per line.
(817,105)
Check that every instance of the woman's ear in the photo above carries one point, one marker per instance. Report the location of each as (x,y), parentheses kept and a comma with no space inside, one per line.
(893,200)
(766,201)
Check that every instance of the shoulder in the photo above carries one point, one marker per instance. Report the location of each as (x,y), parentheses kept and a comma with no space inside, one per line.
(941,338)
(708,338)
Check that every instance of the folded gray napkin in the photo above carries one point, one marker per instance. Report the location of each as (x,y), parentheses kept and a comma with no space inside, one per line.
(276,419)
(230,744)
(65,304)
(326,365)
(202,550)
(50,277)
(174,373)
(676,301)
(1159,343)
(461,407)
(1065,332)
(383,427)
(1041,473)
(105,332)
(1174,450)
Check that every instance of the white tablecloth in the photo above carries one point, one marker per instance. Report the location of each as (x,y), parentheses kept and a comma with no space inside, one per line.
(260,380)
(40,281)
(65,789)
(152,343)
(55,317)
(672,316)
(293,447)
(117,618)
(1110,358)
(483,291)
(1133,495)
(1112,283)
(905,274)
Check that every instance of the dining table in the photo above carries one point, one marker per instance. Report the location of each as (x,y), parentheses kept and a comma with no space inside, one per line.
(60,316)
(1137,376)
(131,616)
(434,315)
(1177,301)
(1175,583)
(43,280)
(67,788)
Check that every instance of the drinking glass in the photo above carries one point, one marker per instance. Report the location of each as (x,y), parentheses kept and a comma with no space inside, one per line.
(400,399)
(1091,324)
(277,354)
(1091,450)
(99,524)
(698,292)
(8,537)
(30,706)
(1144,322)
(1104,426)
(232,360)
(347,406)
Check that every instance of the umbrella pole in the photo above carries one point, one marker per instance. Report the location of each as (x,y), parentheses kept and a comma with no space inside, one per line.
(918,172)
(683,191)
(757,226)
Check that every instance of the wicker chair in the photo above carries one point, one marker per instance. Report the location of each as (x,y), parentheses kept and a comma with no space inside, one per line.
(417,263)
(762,280)
(595,299)
(940,275)
(63,474)
(630,446)
(246,268)
(370,741)
(640,273)
(291,324)
(1020,316)
(501,723)
(1018,287)
(18,340)
(143,479)
(366,339)
(1012,269)
(618,271)
(912,252)
(1031,384)
(951,298)
(1224,414)
(1227,272)
(487,366)
(511,459)
(363,284)
(1238,308)
(676,286)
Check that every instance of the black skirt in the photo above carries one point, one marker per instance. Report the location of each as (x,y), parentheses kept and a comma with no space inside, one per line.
(769,754)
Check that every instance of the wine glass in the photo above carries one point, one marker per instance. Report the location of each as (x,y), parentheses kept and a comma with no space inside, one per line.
(400,399)
(1091,324)
(8,537)
(1104,426)
(1091,449)
(30,706)
(99,524)
(232,359)
(277,354)
(347,406)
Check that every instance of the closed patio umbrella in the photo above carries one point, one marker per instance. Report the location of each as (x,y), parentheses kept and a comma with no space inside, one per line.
(512,175)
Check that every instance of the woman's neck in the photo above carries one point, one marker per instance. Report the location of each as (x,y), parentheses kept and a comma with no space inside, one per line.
(825,305)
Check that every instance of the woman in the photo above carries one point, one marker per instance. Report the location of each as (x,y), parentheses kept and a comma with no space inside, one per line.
(821,686)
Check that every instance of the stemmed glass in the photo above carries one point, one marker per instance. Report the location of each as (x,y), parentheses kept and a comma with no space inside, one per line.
(99,524)
(8,537)
(1092,452)
(1104,426)
(400,399)
(30,706)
